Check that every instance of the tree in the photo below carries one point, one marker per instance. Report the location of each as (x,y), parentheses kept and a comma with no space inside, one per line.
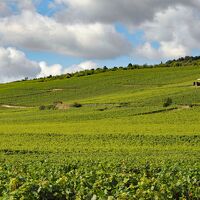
(130,66)
(105,68)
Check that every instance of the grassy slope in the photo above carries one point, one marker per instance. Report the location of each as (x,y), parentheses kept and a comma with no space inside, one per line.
(115,133)
(106,87)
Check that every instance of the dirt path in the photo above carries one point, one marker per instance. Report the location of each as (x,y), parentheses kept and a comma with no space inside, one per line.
(184,107)
(57,90)
(10,106)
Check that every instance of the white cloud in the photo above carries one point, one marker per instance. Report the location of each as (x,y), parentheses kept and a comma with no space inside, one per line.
(82,66)
(57,69)
(14,65)
(180,24)
(86,28)
(146,51)
(167,50)
(172,50)
(176,30)
(49,70)
(36,32)
(172,24)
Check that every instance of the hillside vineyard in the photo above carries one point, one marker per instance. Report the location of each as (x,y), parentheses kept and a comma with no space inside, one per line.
(119,134)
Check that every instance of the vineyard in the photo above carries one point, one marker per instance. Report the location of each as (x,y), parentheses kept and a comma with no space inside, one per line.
(99,181)
(125,134)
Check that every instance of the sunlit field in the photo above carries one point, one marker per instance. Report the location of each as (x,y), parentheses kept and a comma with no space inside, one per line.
(120,143)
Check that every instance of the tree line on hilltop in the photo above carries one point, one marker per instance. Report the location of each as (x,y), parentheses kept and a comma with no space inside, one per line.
(183,61)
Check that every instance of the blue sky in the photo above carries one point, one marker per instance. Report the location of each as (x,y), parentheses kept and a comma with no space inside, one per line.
(43,37)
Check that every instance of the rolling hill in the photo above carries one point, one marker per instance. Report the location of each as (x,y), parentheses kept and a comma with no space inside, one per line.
(121,121)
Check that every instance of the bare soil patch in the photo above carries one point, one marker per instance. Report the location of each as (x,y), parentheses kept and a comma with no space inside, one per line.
(62,106)
(11,106)
(185,107)
(57,90)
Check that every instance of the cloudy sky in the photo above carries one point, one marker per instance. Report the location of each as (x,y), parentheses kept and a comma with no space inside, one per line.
(43,37)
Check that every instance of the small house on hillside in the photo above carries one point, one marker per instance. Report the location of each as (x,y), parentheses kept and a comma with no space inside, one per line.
(197,83)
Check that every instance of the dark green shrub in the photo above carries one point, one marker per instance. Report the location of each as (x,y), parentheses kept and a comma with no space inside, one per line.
(167,102)
(102,109)
(49,107)
(42,107)
(77,105)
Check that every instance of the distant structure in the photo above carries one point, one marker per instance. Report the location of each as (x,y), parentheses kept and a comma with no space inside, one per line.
(197,83)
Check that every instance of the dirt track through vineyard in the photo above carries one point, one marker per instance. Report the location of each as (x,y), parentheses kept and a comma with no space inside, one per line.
(11,106)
